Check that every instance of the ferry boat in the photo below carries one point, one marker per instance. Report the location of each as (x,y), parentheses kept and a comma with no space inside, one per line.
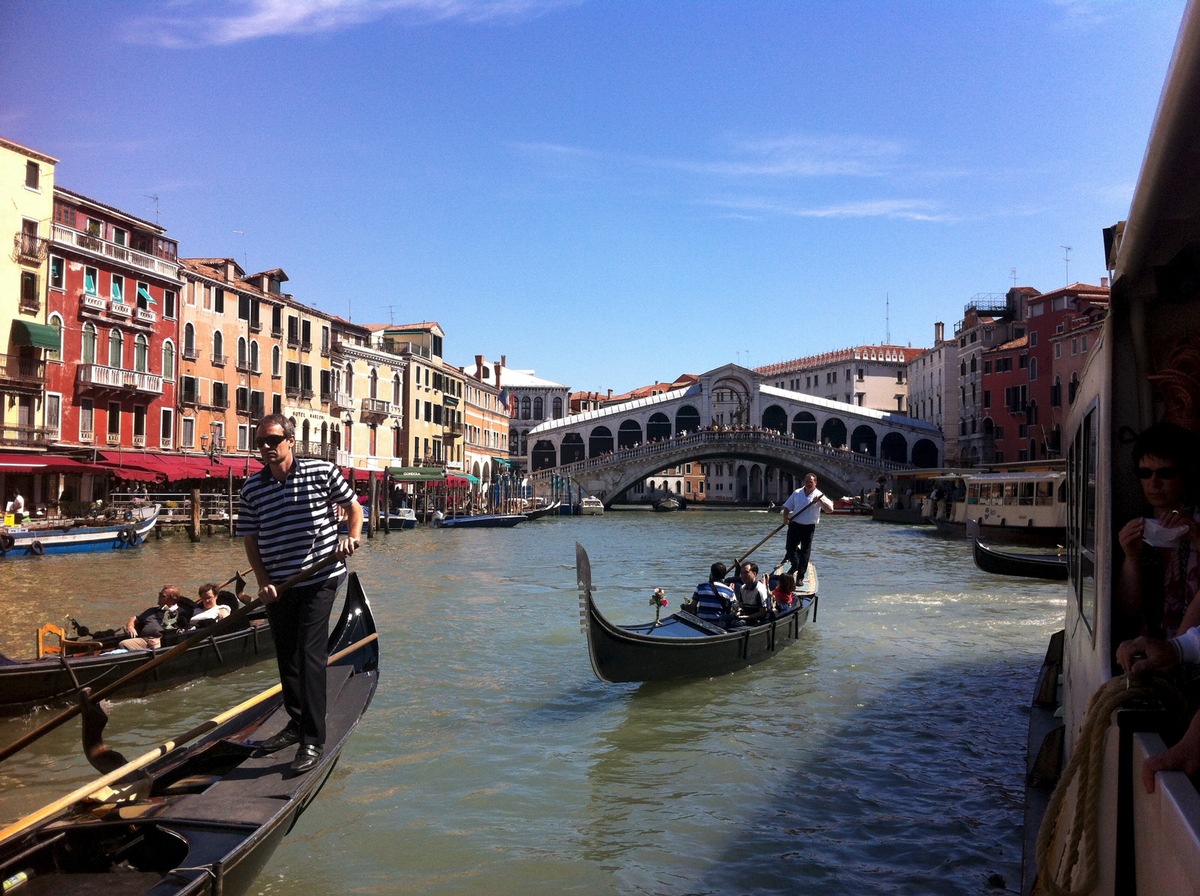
(1100,831)
(1013,507)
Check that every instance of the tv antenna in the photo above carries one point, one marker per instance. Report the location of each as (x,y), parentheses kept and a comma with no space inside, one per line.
(1013,271)
(1066,264)
(887,319)
(154,197)
(245,262)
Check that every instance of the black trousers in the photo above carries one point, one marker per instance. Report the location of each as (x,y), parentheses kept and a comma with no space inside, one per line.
(799,545)
(300,626)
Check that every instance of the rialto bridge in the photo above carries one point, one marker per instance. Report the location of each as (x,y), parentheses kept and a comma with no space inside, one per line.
(729,413)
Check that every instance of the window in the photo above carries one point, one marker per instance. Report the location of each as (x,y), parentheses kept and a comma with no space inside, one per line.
(241,353)
(121,238)
(88,354)
(116,348)
(95,228)
(254,368)
(33,175)
(166,433)
(86,420)
(218,348)
(189,342)
(114,422)
(54,413)
(58,275)
(187,434)
(30,301)
(56,322)
(276,361)
(141,354)
(144,299)
(91,281)
(118,288)
(220,395)
(168,360)
(219,300)
(139,425)
(243,442)
(170,303)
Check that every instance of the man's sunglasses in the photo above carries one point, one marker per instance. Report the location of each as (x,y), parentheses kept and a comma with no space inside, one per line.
(1161,473)
(270,441)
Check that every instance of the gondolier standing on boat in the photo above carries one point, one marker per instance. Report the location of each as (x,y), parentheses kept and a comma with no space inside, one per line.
(289,519)
(802,510)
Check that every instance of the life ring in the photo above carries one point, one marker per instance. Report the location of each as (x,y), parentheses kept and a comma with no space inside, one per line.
(36,548)
(6,541)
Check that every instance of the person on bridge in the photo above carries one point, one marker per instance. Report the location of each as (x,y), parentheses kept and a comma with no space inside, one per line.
(802,510)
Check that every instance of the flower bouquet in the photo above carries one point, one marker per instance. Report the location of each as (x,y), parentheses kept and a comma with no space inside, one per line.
(658,600)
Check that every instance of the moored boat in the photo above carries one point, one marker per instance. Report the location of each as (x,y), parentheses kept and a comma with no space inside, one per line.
(78,536)
(536,508)
(591,506)
(1013,507)
(73,663)
(201,813)
(481,521)
(667,505)
(682,645)
(1024,565)
(1091,824)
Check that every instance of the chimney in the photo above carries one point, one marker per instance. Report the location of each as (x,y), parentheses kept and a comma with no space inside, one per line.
(939,332)
(610,393)
(504,360)
(479,367)
(497,365)
(1104,282)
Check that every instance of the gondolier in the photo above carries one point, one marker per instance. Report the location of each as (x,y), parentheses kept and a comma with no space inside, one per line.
(289,521)
(802,510)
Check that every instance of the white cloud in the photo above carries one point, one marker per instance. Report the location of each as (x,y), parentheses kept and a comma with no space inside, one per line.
(895,209)
(196,23)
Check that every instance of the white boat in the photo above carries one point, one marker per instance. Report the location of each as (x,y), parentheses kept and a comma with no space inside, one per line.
(591,506)
(1121,839)
(1024,507)
(78,536)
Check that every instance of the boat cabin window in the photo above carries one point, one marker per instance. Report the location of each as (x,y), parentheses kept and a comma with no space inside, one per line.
(1026,499)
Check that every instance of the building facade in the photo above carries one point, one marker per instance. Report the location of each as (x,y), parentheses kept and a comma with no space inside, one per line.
(869,376)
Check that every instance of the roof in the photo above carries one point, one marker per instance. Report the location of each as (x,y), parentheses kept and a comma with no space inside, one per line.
(900,354)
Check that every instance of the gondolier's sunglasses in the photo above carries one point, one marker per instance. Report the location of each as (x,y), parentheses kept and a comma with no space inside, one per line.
(1161,472)
(270,441)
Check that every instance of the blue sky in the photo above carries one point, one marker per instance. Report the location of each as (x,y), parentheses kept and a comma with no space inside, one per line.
(611,193)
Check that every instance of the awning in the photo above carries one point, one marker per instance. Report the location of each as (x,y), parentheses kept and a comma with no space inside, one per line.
(45,463)
(37,335)
(169,467)
(417,474)
(504,462)
(461,478)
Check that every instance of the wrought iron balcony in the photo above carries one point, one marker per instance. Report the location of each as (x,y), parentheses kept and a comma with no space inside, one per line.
(17,371)
(39,436)
(30,249)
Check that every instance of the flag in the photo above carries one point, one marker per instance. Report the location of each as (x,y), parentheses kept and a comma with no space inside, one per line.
(504,399)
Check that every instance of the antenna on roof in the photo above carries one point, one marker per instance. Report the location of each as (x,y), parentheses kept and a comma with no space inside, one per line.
(245,263)
(887,319)
(1013,271)
(1066,264)
(155,198)
(392,315)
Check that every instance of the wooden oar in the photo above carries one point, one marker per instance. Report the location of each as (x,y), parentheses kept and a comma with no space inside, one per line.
(161,750)
(738,563)
(218,628)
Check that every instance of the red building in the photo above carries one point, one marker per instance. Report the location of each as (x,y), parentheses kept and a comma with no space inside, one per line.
(113,293)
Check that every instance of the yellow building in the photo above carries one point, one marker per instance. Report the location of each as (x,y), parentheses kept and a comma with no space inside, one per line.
(431,427)
(26,212)
(486,422)
(368,383)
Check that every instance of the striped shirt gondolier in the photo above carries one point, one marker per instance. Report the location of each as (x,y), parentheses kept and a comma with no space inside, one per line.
(295,520)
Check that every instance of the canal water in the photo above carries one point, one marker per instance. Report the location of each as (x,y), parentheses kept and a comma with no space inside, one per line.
(883,752)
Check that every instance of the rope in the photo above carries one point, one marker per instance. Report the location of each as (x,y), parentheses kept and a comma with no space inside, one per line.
(1085,773)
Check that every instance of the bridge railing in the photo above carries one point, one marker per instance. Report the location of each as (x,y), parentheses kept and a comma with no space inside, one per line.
(748,438)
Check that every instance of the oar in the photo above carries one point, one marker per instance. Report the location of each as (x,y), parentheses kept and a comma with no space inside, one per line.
(161,750)
(218,628)
(738,563)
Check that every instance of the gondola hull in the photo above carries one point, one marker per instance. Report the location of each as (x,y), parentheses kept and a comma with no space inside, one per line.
(680,646)
(29,684)
(1030,566)
(211,812)
(483,521)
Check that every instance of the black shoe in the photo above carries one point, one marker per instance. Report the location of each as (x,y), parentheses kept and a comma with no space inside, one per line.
(285,738)
(306,759)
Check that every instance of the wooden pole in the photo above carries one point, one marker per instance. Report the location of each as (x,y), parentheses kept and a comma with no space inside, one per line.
(373,505)
(194,521)
(229,508)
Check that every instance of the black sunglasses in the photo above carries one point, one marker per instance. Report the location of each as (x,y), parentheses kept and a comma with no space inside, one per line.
(270,441)
(1161,473)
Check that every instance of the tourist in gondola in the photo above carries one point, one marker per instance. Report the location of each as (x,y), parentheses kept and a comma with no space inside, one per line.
(714,601)
(210,609)
(147,628)
(784,595)
(1161,571)
(289,520)
(802,510)
(753,598)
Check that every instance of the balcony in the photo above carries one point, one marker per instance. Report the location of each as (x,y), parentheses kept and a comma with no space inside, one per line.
(293,340)
(144,316)
(219,360)
(255,326)
(306,345)
(114,438)
(30,249)
(120,309)
(27,436)
(123,254)
(292,392)
(374,408)
(306,394)
(139,441)
(86,437)
(91,302)
(276,332)
(190,353)
(117,379)
(314,449)
(243,366)
(340,401)
(30,305)
(17,372)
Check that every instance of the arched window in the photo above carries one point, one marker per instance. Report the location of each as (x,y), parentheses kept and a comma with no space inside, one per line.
(241,352)
(526,408)
(1032,369)
(396,397)
(168,360)
(538,408)
(88,355)
(56,322)
(348,381)
(558,408)
(141,353)
(218,348)
(189,341)
(374,393)
(116,348)
(276,361)
(254,356)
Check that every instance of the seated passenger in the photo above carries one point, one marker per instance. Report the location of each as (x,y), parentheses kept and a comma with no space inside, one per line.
(785,593)
(713,601)
(753,600)
(146,630)
(211,610)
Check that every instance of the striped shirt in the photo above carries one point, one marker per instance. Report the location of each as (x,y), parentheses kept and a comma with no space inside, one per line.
(295,520)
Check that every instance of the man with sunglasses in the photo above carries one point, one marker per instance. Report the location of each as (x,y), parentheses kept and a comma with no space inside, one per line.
(1161,571)
(288,516)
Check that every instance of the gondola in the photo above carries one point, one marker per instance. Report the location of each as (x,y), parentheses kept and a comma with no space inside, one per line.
(197,818)
(77,536)
(537,510)
(683,646)
(482,521)
(1030,566)
(72,663)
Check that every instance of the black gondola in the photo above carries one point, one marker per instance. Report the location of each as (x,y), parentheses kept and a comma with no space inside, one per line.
(1029,566)
(682,645)
(28,684)
(199,818)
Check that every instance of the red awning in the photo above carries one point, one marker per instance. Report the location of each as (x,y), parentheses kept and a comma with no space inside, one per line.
(457,481)
(145,465)
(45,463)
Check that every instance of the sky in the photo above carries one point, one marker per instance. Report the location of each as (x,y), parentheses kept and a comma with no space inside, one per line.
(609,192)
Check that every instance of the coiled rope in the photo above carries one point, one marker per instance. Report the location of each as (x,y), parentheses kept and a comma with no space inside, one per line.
(1085,773)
